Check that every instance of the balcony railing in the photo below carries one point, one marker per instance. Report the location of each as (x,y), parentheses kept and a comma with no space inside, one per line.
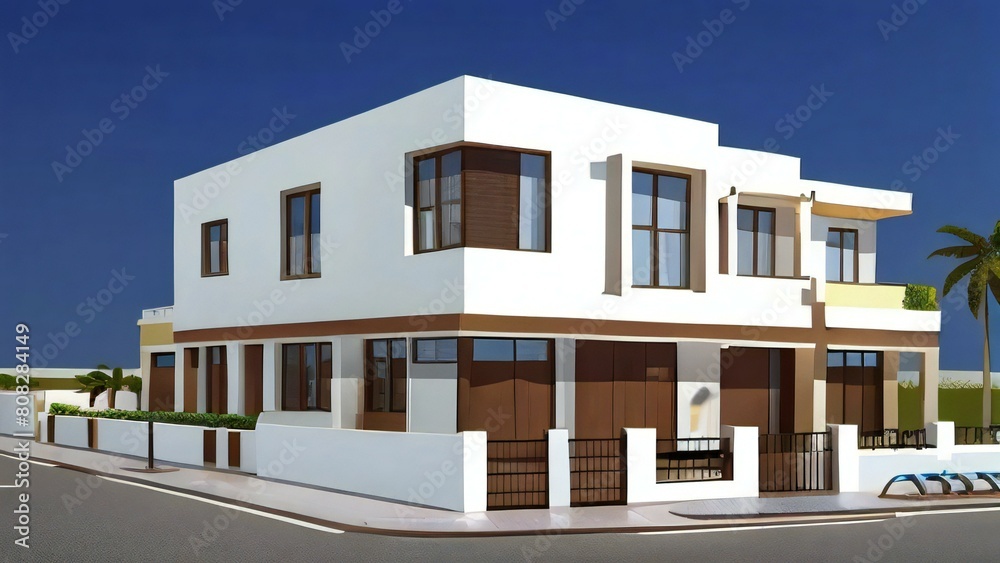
(893,438)
(158,314)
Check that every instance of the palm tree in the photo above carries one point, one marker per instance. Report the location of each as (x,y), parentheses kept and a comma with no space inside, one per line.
(983,269)
(98,380)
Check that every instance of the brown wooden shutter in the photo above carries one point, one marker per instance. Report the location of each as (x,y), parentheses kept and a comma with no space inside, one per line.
(491,180)
(594,389)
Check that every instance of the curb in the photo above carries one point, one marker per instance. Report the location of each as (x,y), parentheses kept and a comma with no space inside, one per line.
(741,521)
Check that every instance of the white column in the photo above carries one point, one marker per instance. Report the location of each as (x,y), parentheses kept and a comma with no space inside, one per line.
(202,379)
(732,203)
(272,379)
(222,448)
(565,364)
(474,458)
(929,383)
(235,378)
(336,385)
(179,361)
(804,246)
(846,465)
(559,479)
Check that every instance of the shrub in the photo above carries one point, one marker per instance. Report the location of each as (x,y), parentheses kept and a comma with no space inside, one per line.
(920,298)
(211,420)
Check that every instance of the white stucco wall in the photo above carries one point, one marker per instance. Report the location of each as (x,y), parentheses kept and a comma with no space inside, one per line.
(129,437)
(71,431)
(441,470)
(359,163)
(178,443)
(433,398)
(641,474)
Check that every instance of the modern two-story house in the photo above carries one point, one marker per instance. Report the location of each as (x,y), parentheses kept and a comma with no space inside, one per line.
(484,256)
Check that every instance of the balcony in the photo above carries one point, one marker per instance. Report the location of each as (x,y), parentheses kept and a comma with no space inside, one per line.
(157,315)
(882,307)
(867,296)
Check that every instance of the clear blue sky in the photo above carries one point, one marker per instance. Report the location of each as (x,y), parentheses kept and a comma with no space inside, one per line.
(893,88)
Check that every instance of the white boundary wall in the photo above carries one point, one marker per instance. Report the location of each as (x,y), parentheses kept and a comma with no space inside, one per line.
(179,443)
(440,470)
(869,470)
(128,437)
(71,431)
(641,475)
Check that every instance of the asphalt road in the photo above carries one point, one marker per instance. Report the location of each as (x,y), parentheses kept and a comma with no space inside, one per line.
(73,520)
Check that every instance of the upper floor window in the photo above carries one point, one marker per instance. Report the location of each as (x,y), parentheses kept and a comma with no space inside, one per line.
(660,229)
(215,248)
(755,241)
(301,232)
(842,255)
(481,197)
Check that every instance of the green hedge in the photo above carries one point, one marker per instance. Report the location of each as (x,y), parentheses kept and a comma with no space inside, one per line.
(211,420)
(920,298)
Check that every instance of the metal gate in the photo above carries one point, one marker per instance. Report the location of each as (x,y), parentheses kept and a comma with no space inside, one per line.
(517,474)
(597,472)
(796,462)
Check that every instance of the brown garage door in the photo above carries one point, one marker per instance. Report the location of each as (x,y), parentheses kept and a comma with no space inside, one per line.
(625,384)
(746,387)
(505,387)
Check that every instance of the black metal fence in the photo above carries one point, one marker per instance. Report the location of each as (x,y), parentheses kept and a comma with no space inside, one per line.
(693,459)
(597,472)
(801,461)
(517,474)
(969,435)
(893,438)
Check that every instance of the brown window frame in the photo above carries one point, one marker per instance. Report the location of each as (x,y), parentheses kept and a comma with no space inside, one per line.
(654,274)
(756,234)
(416,356)
(439,152)
(206,248)
(857,253)
(307,192)
(303,398)
(389,385)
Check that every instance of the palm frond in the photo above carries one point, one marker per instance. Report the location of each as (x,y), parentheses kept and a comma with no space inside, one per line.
(955,252)
(960,272)
(968,236)
(977,289)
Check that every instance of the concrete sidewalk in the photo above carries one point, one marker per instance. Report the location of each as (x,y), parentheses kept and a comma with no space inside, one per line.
(362,514)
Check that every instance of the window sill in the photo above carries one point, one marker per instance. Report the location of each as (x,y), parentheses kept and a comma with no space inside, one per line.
(285,277)
(797,278)
(215,275)
(662,287)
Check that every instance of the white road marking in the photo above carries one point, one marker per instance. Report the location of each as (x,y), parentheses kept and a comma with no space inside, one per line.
(948,511)
(262,514)
(763,527)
